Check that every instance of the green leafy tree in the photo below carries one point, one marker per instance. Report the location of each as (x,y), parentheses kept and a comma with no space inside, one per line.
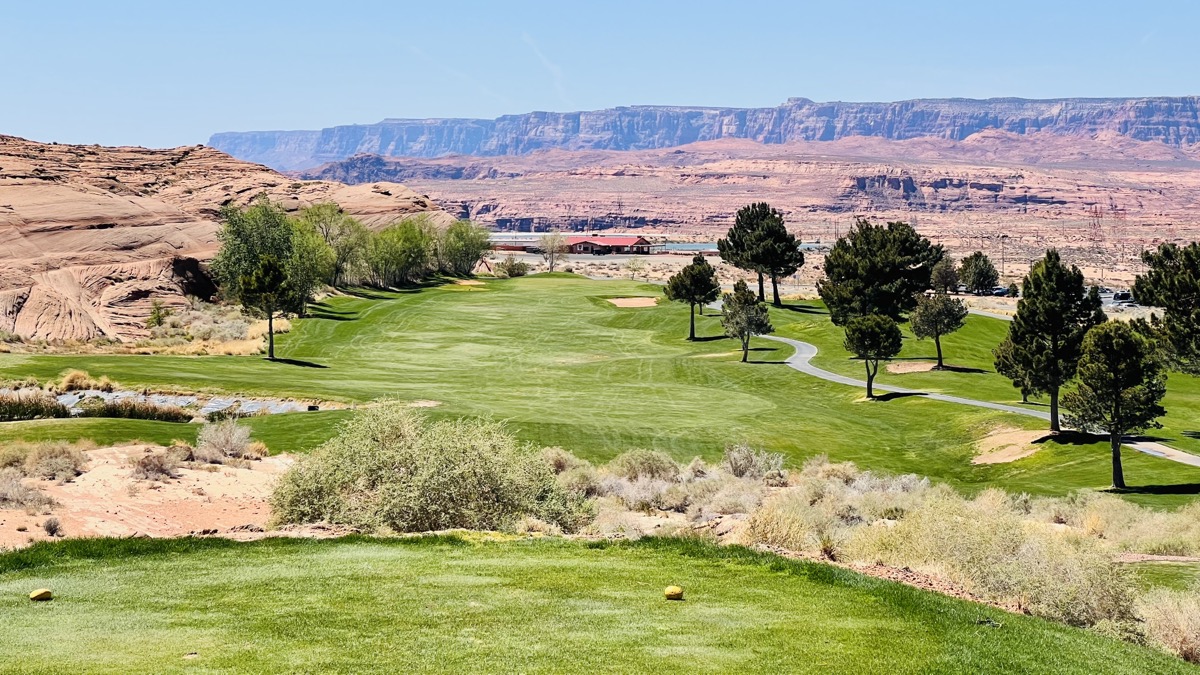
(346,238)
(461,246)
(553,246)
(265,293)
(265,230)
(944,276)
(511,267)
(744,316)
(978,273)
(695,284)
(1052,319)
(402,253)
(1008,365)
(741,244)
(158,314)
(873,338)
(877,269)
(1121,383)
(1172,282)
(935,316)
(777,253)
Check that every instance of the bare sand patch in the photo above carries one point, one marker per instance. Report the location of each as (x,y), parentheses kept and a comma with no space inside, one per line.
(468,282)
(900,367)
(106,501)
(1006,444)
(634,302)
(424,403)
(716,355)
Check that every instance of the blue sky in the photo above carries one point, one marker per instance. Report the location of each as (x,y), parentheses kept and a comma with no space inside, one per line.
(172,72)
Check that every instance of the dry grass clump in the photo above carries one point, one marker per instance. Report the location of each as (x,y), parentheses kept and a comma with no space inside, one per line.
(156,466)
(219,442)
(614,521)
(561,461)
(133,409)
(30,405)
(635,464)
(202,322)
(743,461)
(1127,526)
(51,460)
(14,494)
(53,527)
(80,380)
(1171,621)
(389,468)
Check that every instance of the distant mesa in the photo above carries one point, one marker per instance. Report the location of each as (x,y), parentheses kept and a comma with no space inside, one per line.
(1172,121)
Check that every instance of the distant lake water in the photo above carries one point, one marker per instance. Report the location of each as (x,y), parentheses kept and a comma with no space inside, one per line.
(712,246)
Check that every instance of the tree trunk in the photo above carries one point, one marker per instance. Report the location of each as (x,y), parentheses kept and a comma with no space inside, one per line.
(761,296)
(271,335)
(775,291)
(870,379)
(1054,410)
(745,348)
(692,314)
(702,309)
(1118,473)
(937,340)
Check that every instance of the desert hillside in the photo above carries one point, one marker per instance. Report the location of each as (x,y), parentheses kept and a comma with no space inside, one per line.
(90,235)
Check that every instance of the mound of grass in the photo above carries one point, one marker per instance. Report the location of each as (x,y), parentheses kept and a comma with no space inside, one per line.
(534,606)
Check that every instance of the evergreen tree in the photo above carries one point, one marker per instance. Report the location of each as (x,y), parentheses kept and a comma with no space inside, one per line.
(744,316)
(741,244)
(873,338)
(1172,281)
(978,273)
(695,284)
(265,293)
(935,316)
(1120,386)
(777,253)
(1009,366)
(944,277)
(1052,319)
(877,269)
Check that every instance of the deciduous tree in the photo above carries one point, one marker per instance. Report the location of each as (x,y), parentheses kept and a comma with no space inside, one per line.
(265,293)
(695,284)
(944,277)
(877,269)
(1052,319)
(873,338)
(1120,386)
(744,316)
(935,316)
(461,246)
(553,246)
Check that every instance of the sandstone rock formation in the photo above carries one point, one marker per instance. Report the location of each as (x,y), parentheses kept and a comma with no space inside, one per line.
(1173,121)
(90,236)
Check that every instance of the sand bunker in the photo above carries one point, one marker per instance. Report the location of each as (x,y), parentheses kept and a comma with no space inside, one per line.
(901,367)
(107,501)
(468,282)
(1007,445)
(634,302)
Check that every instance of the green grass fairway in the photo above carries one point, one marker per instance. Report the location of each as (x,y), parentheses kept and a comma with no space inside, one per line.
(549,355)
(440,604)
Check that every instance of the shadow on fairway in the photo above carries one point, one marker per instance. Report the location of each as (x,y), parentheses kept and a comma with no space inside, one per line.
(892,395)
(710,338)
(1071,437)
(1192,434)
(330,315)
(961,369)
(803,309)
(1180,489)
(296,362)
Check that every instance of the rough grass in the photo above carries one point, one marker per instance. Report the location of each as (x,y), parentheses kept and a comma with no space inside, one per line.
(535,606)
(565,368)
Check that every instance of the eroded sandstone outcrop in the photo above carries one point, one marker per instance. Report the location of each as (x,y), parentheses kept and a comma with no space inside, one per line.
(91,236)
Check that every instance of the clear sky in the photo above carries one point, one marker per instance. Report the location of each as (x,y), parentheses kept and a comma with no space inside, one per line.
(172,72)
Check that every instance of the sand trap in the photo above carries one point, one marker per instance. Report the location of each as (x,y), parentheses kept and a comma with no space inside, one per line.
(107,501)
(1006,444)
(468,282)
(634,302)
(424,404)
(900,367)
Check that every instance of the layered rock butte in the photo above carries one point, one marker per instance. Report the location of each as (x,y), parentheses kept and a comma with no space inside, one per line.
(90,236)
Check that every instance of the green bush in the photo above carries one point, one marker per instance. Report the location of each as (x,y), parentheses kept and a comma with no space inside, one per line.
(389,468)
(511,267)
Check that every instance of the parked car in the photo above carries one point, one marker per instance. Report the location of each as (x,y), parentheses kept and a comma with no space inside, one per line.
(1122,296)
(1000,291)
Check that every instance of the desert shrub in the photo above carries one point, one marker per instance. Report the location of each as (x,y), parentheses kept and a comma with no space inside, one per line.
(732,496)
(180,451)
(641,494)
(53,460)
(581,480)
(561,461)
(132,409)
(531,525)
(14,494)
(1172,621)
(9,337)
(29,405)
(743,461)
(790,520)
(391,468)
(511,267)
(257,449)
(52,526)
(635,464)
(203,322)
(80,380)
(695,470)
(218,442)
(158,466)
(614,521)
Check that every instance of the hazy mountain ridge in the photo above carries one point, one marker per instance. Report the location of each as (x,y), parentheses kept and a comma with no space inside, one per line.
(1173,121)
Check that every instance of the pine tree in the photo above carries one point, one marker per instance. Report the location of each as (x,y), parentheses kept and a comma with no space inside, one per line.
(744,316)
(1120,386)
(265,292)
(877,269)
(944,277)
(935,316)
(1172,281)
(1009,366)
(695,284)
(978,273)
(740,245)
(777,253)
(1052,319)
(873,338)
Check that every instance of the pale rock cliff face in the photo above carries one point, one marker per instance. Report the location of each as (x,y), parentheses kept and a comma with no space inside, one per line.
(91,236)
(1172,121)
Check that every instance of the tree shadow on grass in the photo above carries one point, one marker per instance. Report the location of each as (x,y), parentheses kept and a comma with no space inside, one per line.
(892,395)
(329,315)
(296,362)
(961,369)
(1192,434)
(1178,489)
(710,338)
(803,309)
(1072,437)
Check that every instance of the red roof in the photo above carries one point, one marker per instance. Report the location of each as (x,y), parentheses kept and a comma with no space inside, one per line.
(608,241)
